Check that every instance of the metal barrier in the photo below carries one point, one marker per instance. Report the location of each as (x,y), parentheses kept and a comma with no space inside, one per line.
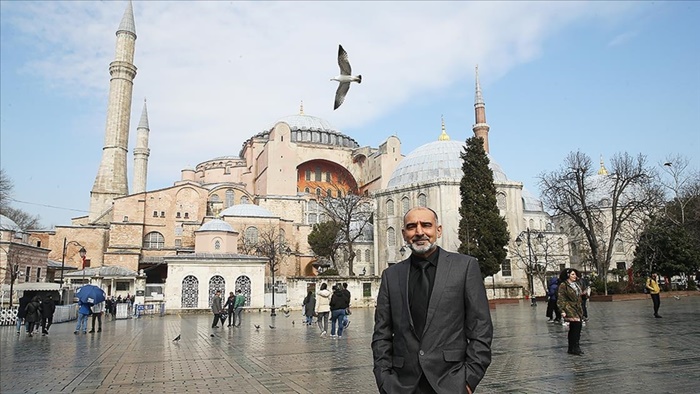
(150,309)
(8,317)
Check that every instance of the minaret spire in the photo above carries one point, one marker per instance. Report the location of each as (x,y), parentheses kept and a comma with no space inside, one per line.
(443,136)
(602,170)
(141,153)
(111,180)
(301,108)
(480,128)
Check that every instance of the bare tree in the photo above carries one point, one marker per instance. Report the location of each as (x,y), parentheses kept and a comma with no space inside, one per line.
(682,184)
(601,204)
(5,189)
(353,214)
(542,259)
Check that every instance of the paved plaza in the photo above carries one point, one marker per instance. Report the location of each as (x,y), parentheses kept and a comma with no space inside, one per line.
(627,351)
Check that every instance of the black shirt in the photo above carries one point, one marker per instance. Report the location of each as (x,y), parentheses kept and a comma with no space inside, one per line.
(415,270)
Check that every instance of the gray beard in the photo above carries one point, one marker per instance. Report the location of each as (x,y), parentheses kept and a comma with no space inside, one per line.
(421,250)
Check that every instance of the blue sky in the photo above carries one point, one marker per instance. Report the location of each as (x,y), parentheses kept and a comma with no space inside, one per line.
(600,77)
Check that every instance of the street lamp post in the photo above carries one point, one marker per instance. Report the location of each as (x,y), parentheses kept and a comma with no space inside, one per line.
(82,253)
(14,274)
(519,242)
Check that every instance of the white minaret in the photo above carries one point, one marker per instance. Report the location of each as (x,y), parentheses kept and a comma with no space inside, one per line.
(141,153)
(480,128)
(111,180)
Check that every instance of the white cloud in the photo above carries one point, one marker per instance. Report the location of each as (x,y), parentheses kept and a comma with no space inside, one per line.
(215,73)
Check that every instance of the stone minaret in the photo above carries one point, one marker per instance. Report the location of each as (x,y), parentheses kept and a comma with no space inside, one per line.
(111,180)
(481,128)
(141,153)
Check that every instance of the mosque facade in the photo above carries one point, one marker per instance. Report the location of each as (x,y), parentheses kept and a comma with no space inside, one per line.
(196,235)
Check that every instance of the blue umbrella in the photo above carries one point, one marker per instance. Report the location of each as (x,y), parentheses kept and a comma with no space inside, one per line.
(90,294)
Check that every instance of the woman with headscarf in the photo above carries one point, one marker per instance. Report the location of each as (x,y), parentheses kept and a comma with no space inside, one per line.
(569,302)
(309,304)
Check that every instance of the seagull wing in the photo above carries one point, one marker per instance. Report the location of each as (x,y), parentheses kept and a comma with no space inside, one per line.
(343,88)
(343,61)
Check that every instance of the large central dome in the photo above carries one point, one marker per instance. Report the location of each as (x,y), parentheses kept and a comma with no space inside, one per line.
(434,161)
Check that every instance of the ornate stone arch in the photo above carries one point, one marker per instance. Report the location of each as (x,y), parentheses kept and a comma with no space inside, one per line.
(190,292)
(216,282)
(244,285)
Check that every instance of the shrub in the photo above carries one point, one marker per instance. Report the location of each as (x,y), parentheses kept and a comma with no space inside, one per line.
(692,285)
(329,272)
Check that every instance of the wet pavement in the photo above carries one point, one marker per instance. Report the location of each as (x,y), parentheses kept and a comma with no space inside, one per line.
(627,351)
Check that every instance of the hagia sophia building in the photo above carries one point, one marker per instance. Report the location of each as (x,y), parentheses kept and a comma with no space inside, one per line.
(187,236)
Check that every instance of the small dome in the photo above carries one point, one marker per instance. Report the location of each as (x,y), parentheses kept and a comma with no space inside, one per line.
(247,210)
(8,224)
(436,160)
(530,202)
(216,225)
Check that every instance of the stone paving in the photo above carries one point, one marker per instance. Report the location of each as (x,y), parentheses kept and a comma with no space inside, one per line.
(627,351)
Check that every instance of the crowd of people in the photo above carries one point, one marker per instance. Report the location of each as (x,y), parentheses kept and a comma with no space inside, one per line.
(331,304)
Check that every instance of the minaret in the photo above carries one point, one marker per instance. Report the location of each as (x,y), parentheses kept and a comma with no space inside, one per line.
(111,180)
(141,153)
(481,128)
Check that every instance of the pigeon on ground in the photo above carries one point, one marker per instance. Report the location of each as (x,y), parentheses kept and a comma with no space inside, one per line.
(345,77)
(177,338)
(292,322)
(287,314)
(257,327)
(272,327)
(212,335)
(676,297)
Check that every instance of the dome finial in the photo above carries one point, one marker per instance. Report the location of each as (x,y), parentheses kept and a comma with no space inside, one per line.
(603,170)
(301,108)
(443,135)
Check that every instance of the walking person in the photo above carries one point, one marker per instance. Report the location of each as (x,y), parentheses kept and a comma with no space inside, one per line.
(309,305)
(323,308)
(33,314)
(83,313)
(48,308)
(229,306)
(97,311)
(238,305)
(654,290)
(585,285)
(569,302)
(553,313)
(348,297)
(338,304)
(432,325)
(216,309)
(22,311)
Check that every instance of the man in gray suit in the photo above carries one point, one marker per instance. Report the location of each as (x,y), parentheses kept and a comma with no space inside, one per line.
(432,330)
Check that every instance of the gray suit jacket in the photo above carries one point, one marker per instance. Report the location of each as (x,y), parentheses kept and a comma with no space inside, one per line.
(454,348)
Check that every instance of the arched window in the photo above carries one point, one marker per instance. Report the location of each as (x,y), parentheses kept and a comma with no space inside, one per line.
(318,191)
(531,224)
(217,282)
(619,246)
(574,249)
(229,198)
(501,201)
(251,235)
(214,205)
(560,244)
(243,284)
(404,205)
(153,240)
(367,255)
(307,190)
(244,200)
(217,244)
(422,200)
(390,207)
(329,193)
(313,218)
(391,237)
(358,255)
(190,292)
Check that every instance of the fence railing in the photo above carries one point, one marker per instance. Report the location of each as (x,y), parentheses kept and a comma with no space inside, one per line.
(8,316)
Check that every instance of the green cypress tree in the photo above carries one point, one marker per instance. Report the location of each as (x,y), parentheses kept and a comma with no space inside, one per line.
(482,231)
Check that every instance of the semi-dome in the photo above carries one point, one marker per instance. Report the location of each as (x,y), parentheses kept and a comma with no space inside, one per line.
(8,224)
(436,160)
(247,210)
(216,225)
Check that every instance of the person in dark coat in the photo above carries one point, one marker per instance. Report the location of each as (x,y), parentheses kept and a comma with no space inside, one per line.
(32,316)
(569,302)
(22,311)
(48,307)
(553,312)
(309,304)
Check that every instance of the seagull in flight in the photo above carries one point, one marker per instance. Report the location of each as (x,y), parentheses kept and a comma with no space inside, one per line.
(345,77)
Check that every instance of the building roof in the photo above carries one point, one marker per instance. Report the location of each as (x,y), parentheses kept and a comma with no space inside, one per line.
(8,224)
(127,23)
(436,160)
(216,225)
(102,271)
(247,210)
